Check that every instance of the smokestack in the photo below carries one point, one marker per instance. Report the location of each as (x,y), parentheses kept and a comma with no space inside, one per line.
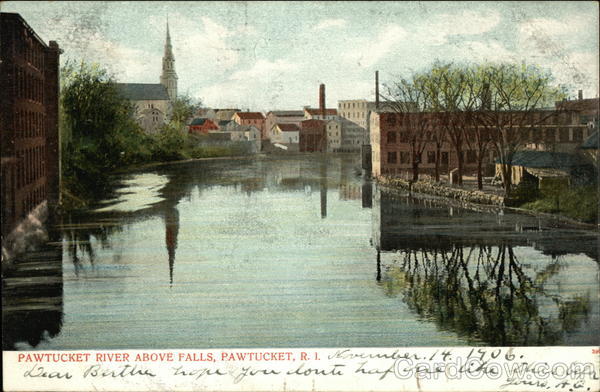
(322,99)
(580,95)
(376,89)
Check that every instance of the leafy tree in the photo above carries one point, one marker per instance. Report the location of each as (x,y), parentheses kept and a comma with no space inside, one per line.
(169,143)
(184,108)
(99,133)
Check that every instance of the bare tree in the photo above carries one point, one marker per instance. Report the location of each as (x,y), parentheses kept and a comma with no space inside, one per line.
(515,96)
(410,98)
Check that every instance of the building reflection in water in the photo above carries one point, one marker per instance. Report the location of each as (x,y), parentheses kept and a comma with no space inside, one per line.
(32,292)
(171,218)
(323,188)
(484,281)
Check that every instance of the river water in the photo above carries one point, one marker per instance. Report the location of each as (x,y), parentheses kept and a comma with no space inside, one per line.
(296,252)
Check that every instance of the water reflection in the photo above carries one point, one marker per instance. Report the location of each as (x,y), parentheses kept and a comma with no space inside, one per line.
(482,280)
(269,261)
(171,219)
(32,297)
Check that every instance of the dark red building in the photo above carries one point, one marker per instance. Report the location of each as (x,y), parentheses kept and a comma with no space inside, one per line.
(312,136)
(29,99)
(202,126)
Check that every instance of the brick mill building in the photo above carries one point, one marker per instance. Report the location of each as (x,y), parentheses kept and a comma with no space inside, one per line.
(29,99)
(554,130)
(313,137)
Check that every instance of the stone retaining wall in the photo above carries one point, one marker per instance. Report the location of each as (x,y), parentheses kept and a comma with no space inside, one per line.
(432,188)
(29,233)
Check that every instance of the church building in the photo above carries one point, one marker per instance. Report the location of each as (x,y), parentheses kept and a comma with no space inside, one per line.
(153,101)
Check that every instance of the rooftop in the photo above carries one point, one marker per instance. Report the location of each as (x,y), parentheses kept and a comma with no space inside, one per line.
(287,113)
(316,112)
(250,115)
(591,143)
(202,121)
(288,127)
(545,159)
(143,91)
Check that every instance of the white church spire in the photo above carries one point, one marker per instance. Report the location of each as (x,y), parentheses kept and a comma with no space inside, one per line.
(168,77)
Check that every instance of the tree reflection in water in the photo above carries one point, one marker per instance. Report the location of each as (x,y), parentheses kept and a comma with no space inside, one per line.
(483,293)
(79,238)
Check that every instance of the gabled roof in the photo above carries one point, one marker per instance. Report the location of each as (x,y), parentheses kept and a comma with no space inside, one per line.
(143,91)
(203,121)
(250,115)
(545,159)
(198,121)
(591,143)
(224,123)
(287,113)
(316,112)
(288,127)
(312,123)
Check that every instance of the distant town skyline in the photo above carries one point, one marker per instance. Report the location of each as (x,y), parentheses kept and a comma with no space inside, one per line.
(273,55)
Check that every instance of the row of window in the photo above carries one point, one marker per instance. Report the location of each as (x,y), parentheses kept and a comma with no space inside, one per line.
(404,157)
(28,86)
(352,105)
(28,123)
(33,198)
(535,135)
(28,48)
(354,114)
(31,165)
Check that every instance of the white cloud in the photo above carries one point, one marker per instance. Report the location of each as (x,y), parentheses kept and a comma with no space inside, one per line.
(488,50)
(569,25)
(368,53)
(329,23)
(442,26)
(265,69)
(258,87)
(128,64)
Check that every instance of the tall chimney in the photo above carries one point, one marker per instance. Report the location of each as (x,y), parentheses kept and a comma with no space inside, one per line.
(322,99)
(376,89)
(580,95)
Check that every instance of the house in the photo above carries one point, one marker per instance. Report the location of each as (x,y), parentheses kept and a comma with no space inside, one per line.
(312,137)
(319,114)
(225,125)
(286,136)
(251,118)
(281,117)
(201,125)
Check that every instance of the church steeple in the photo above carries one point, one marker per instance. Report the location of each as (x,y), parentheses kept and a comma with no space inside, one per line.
(168,78)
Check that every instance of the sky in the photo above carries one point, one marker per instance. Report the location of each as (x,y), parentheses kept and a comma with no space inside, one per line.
(273,55)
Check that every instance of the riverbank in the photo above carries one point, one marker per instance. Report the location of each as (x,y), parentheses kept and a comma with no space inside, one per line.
(474,199)
(150,165)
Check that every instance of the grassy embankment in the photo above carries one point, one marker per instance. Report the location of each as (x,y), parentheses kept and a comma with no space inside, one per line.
(576,202)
